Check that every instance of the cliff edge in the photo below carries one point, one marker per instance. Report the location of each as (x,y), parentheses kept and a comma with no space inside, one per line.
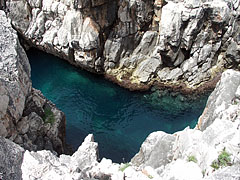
(210,154)
(26,116)
(136,43)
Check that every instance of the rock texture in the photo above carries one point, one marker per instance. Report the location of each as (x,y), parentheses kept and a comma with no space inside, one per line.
(162,156)
(217,128)
(23,110)
(136,42)
(11,158)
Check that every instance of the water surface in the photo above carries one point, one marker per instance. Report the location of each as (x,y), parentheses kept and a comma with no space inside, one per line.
(120,120)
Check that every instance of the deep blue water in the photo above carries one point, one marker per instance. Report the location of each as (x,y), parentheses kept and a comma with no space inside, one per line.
(119,119)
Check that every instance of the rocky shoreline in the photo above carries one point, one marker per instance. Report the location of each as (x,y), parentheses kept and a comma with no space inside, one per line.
(137,44)
(180,44)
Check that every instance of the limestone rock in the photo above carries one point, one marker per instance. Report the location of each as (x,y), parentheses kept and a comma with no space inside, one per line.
(22,108)
(232,172)
(146,69)
(182,170)
(233,52)
(167,153)
(14,77)
(167,74)
(11,157)
(45,165)
(221,98)
(155,151)
(117,36)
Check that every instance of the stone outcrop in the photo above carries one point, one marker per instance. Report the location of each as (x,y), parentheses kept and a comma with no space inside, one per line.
(217,129)
(136,41)
(162,156)
(11,158)
(24,112)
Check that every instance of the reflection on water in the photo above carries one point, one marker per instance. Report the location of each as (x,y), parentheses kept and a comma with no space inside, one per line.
(120,120)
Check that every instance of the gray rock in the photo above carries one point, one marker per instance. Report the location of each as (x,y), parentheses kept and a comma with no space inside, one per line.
(220,11)
(155,151)
(20,14)
(124,33)
(14,77)
(233,52)
(147,43)
(188,64)
(23,125)
(11,157)
(170,24)
(228,173)
(221,98)
(21,109)
(204,53)
(170,75)
(146,69)
(44,164)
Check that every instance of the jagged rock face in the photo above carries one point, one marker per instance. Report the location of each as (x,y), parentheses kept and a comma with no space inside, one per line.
(221,100)
(125,39)
(11,158)
(23,110)
(220,129)
(14,78)
(162,156)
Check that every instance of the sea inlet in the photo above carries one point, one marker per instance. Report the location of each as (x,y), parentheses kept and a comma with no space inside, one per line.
(119,119)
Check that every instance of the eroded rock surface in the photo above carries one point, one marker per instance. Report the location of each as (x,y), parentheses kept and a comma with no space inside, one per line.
(162,156)
(25,112)
(136,40)
(11,158)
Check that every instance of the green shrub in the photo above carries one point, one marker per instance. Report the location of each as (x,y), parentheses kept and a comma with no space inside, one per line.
(48,116)
(150,177)
(192,158)
(215,164)
(125,166)
(223,160)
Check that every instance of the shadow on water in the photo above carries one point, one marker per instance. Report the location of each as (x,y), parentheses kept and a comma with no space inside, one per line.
(119,119)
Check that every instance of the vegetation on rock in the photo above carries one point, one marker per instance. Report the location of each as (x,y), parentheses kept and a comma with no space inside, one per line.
(192,158)
(125,166)
(223,160)
(48,116)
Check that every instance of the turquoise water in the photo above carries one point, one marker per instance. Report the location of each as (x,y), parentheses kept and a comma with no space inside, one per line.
(120,120)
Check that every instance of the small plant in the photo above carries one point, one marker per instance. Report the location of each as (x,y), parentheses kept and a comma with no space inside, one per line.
(223,160)
(150,177)
(192,158)
(125,166)
(204,172)
(48,116)
(215,164)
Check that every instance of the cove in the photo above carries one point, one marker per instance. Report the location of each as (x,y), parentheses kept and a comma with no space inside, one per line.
(119,119)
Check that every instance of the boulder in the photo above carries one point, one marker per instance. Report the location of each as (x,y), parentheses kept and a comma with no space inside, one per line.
(155,151)
(221,98)
(146,69)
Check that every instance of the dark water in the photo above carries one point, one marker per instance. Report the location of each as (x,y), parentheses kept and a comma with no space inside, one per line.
(120,120)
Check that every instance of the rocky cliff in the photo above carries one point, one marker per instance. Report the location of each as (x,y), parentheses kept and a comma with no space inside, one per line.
(137,43)
(26,116)
(212,153)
